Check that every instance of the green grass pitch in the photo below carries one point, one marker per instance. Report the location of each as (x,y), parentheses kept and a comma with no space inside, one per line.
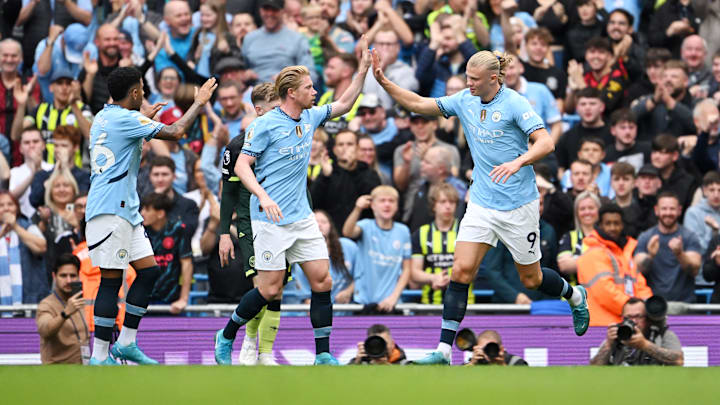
(358,385)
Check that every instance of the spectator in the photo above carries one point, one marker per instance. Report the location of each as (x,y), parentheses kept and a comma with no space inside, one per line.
(694,52)
(593,150)
(212,41)
(368,154)
(205,201)
(704,217)
(669,254)
(11,81)
(383,266)
(503,358)
(435,169)
(388,48)
(66,142)
(590,108)
(32,147)
(359,18)
(478,28)
(67,56)
(183,210)
(408,157)
(64,334)
(707,148)
(318,154)
(242,24)
(449,129)
(581,179)
(339,72)
(272,47)
(648,345)
(647,187)
(341,182)
(57,218)
(169,239)
(606,74)
(548,236)
(607,270)
(626,44)
(537,94)
(498,14)
(176,14)
(539,67)
(626,148)
(25,244)
(446,54)
(432,250)
(340,37)
(65,109)
(664,157)
(393,354)
(343,256)
(669,108)
(623,183)
(587,213)
(167,82)
(94,72)
(584,28)
(137,24)
(229,94)
(183,156)
(671,23)
(381,128)
(655,59)
(711,267)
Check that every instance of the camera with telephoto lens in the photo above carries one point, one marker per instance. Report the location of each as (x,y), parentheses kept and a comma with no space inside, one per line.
(466,340)
(626,329)
(656,308)
(375,348)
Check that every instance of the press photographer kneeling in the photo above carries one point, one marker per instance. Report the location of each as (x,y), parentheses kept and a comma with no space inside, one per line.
(487,348)
(379,348)
(642,338)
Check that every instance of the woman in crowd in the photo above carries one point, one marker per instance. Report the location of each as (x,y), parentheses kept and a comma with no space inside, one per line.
(205,200)
(367,153)
(23,279)
(586,210)
(58,215)
(167,83)
(212,40)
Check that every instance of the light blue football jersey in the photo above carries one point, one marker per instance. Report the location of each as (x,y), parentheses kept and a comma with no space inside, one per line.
(379,262)
(496,132)
(116,138)
(281,146)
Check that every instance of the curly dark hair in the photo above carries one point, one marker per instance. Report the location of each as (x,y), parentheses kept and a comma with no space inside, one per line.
(121,80)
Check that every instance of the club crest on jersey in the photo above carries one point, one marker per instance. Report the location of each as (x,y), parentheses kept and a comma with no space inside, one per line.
(483,115)
(496,116)
(298,131)
(250,134)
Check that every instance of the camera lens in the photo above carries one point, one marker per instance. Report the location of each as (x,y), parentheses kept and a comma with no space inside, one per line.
(656,308)
(492,350)
(375,347)
(626,330)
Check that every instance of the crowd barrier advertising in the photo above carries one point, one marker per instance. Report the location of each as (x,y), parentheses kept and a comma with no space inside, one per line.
(541,340)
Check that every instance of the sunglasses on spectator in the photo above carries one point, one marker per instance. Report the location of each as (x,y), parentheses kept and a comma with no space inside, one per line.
(365,111)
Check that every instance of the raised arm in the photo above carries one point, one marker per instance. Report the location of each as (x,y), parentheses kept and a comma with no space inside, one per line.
(175,131)
(346,101)
(408,99)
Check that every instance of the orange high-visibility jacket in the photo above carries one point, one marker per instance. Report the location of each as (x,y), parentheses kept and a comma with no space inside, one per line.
(610,276)
(90,278)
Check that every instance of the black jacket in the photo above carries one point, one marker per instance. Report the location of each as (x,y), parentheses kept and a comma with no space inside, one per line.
(668,13)
(710,270)
(337,193)
(682,184)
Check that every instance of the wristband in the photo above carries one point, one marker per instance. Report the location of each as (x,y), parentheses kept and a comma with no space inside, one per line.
(64,315)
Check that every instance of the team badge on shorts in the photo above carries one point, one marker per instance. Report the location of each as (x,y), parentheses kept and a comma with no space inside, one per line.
(267,256)
(496,116)
(483,115)
(122,254)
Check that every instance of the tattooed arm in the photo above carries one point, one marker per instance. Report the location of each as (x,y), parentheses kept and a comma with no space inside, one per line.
(602,358)
(670,353)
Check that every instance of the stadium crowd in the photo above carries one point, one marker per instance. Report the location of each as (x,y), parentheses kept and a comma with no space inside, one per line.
(629,91)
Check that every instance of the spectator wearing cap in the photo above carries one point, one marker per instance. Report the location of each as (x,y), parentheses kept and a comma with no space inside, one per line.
(626,148)
(606,74)
(176,15)
(626,45)
(127,49)
(66,55)
(339,72)
(664,157)
(537,94)
(388,47)
(36,16)
(408,157)
(445,55)
(383,131)
(647,187)
(273,46)
(65,109)
(671,23)
(94,74)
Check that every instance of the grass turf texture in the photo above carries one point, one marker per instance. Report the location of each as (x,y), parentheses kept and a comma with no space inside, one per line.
(358,384)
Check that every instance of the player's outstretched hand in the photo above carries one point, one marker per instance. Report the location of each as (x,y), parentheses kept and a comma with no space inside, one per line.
(272,210)
(225,249)
(151,110)
(365,59)
(503,172)
(205,92)
(377,66)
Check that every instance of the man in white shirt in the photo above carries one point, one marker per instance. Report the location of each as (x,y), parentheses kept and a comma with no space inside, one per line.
(32,147)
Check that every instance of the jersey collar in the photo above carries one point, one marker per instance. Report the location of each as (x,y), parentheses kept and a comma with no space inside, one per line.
(497,96)
(285,114)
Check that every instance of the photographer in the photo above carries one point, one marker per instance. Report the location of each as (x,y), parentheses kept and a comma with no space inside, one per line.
(64,334)
(379,348)
(489,350)
(642,338)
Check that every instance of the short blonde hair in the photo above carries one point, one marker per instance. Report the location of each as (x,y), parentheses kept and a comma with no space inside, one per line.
(492,61)
(386,191)
(54,176)
(290,78)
